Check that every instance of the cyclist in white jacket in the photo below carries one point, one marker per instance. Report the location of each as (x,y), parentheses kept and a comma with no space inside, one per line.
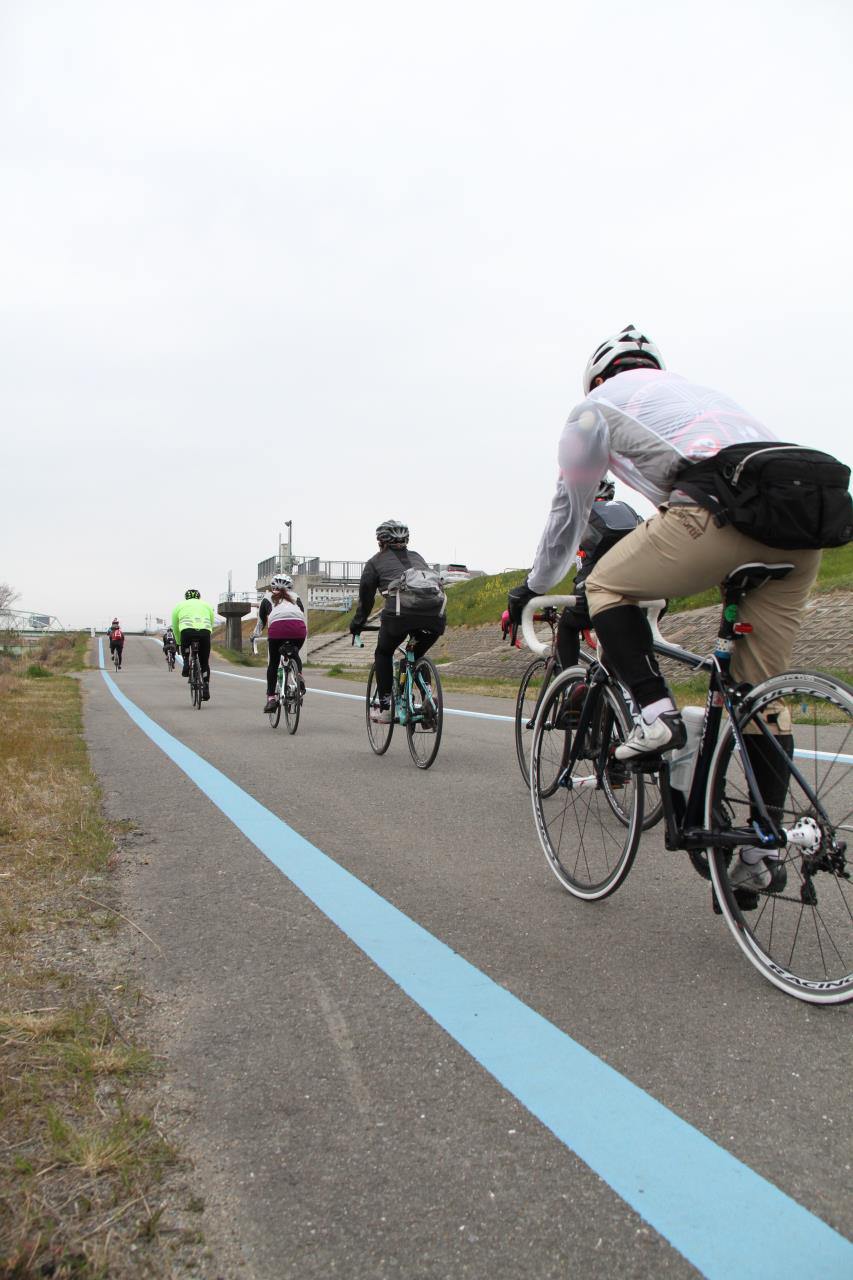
(645,424)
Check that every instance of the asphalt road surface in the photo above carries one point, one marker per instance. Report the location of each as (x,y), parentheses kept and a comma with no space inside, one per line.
(420,1112)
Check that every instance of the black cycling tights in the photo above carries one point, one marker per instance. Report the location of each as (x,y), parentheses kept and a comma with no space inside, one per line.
(626,639)
(391,633)
(203,638)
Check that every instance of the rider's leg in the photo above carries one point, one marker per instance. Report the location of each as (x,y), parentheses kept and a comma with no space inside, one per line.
(204,654)
(391,632)
(572,623)
(273,650)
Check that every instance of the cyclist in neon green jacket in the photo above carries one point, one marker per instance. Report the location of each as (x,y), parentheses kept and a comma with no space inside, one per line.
(192,619)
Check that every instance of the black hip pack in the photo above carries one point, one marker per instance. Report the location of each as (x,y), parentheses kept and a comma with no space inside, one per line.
(784,495)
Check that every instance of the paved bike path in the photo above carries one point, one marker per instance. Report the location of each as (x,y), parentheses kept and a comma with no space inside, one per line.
(642,1150)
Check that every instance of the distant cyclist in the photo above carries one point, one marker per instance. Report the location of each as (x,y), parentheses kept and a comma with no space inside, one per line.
(283,616)
(170,644)
(116,639)
(414,604)
(647,426)
(192,619)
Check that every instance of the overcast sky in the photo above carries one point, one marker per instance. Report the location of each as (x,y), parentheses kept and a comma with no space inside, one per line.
(335,262)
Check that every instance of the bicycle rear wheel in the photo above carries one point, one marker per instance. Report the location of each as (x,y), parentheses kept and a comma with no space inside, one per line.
(801,936)
(378,733)
(195,682)
(588,847)
(426,714)
(534,680)
(290,694)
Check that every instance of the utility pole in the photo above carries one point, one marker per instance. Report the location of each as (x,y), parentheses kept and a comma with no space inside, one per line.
(288,524)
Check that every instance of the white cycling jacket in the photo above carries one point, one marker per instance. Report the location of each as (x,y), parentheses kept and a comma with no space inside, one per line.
(644,425)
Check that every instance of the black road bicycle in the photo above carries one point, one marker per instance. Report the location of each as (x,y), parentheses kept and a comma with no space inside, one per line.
(798,932)
(417,703)
(170,657)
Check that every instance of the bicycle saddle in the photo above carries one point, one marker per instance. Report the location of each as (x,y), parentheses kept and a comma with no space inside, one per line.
(748,576)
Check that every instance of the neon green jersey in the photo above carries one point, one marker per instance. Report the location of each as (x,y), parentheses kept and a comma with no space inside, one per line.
(192,615)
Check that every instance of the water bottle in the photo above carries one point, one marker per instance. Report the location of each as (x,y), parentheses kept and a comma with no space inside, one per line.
(683,761)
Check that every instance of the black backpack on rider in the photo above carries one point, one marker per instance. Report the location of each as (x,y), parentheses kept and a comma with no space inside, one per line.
(784,495)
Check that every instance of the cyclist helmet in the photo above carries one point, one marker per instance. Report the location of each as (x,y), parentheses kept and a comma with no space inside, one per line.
(280,582)
(606,490)
(629,349)
(392,531)
(115,622)
(192,594)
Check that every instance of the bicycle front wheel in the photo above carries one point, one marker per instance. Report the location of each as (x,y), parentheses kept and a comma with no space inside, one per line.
(798,932)
(426,714)
(378,732)
(589,847)
(530,693)
(290,694)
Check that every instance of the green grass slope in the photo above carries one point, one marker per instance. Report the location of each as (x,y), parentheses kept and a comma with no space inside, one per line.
(484,599)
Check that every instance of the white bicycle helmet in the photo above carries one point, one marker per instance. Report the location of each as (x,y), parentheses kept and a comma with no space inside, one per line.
(281,582)
(629,349)
(392,531)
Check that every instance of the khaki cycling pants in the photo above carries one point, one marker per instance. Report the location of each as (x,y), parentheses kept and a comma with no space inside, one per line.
(679,552)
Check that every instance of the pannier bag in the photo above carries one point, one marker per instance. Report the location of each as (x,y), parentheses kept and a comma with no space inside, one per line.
(784,495)
(419,590)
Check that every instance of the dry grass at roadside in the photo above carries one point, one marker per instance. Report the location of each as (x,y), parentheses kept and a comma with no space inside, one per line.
(81,1156)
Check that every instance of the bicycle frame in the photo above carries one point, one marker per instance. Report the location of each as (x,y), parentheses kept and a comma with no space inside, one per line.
(404,707)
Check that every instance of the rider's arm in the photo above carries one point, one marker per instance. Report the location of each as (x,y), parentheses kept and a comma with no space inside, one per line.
(583,454)
(264,611)
(176,625)
(366,593)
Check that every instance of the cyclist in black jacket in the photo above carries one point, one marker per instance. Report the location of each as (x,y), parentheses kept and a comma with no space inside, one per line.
(425,622)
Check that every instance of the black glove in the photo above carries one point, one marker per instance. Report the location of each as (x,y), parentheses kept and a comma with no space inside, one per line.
(355,628)
(517,599)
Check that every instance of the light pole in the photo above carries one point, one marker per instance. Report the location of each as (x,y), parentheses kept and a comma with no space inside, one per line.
(288,524)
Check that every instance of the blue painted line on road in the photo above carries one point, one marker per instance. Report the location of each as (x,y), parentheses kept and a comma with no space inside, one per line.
(723,1217)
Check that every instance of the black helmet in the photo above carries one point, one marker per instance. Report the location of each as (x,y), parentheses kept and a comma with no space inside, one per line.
(606,490)
(392,531)
(629,349)
(192,594)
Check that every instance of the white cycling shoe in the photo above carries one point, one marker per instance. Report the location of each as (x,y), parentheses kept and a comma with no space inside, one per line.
(663,734)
